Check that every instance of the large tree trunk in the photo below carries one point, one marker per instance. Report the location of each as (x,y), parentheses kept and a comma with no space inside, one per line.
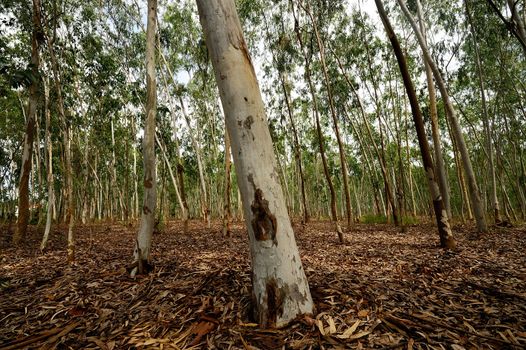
(478,206)
(437,145)
(444,230)
(25,172)
(280,288)
(141,254)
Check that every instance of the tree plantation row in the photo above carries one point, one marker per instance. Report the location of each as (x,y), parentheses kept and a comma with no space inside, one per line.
(342,110)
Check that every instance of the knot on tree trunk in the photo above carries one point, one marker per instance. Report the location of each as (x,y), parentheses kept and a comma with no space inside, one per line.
(264,222)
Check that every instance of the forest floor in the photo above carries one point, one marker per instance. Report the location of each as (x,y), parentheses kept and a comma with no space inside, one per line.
(381,289)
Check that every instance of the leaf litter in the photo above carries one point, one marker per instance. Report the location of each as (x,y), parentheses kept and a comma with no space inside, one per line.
(381,289)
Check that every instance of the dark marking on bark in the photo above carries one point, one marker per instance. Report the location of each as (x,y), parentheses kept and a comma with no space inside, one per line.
(244,50)
(146,210)
(275,296)
(239,123)
(222,76)
(246,99)
(148,183)
(250,179)
(248,122)
(264,223)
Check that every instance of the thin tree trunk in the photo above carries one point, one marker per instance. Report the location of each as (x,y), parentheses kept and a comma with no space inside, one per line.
(227,214)
(50,184)
(444,230)
(297,151)
(25,173)
(68,172)
(437,144)
(334,215)
(364,117)
(280,288)
(478,207)
(341,150)
(485,121)
(142,251)
(184,210)
(205,208)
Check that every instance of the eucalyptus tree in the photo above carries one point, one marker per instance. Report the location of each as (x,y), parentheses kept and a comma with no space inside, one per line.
(25,172)
(66,125)
(142,251)
(280,287)
(227,213)
(437,142)
(320,137)
(444,230)
(516,24)
(485,117)
(343,162)
(283,61)
(478,206)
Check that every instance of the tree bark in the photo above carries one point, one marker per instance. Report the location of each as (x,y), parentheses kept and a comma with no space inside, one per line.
(280,288)
(437,145)
(334,214)
(205,205)
(66,134)
(341,150)
(142,254)
(50,184)
(184,211)
(25,172)
(227,213)
(444,230)
(485,121)
(478,206)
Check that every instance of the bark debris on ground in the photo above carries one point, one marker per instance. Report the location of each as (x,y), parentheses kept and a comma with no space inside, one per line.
(382,289)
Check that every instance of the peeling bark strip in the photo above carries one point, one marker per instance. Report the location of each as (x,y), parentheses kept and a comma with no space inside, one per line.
(274,302)
(264,222)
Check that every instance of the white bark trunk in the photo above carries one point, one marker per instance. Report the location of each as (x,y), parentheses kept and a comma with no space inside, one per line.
(280,288)
(49,148)
(184,212)
(202,181)
(144,237)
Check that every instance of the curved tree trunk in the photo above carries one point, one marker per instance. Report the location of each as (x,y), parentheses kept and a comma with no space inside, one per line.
(478,206)
(141,254)
(444,230)
(25,172)
(280,288)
